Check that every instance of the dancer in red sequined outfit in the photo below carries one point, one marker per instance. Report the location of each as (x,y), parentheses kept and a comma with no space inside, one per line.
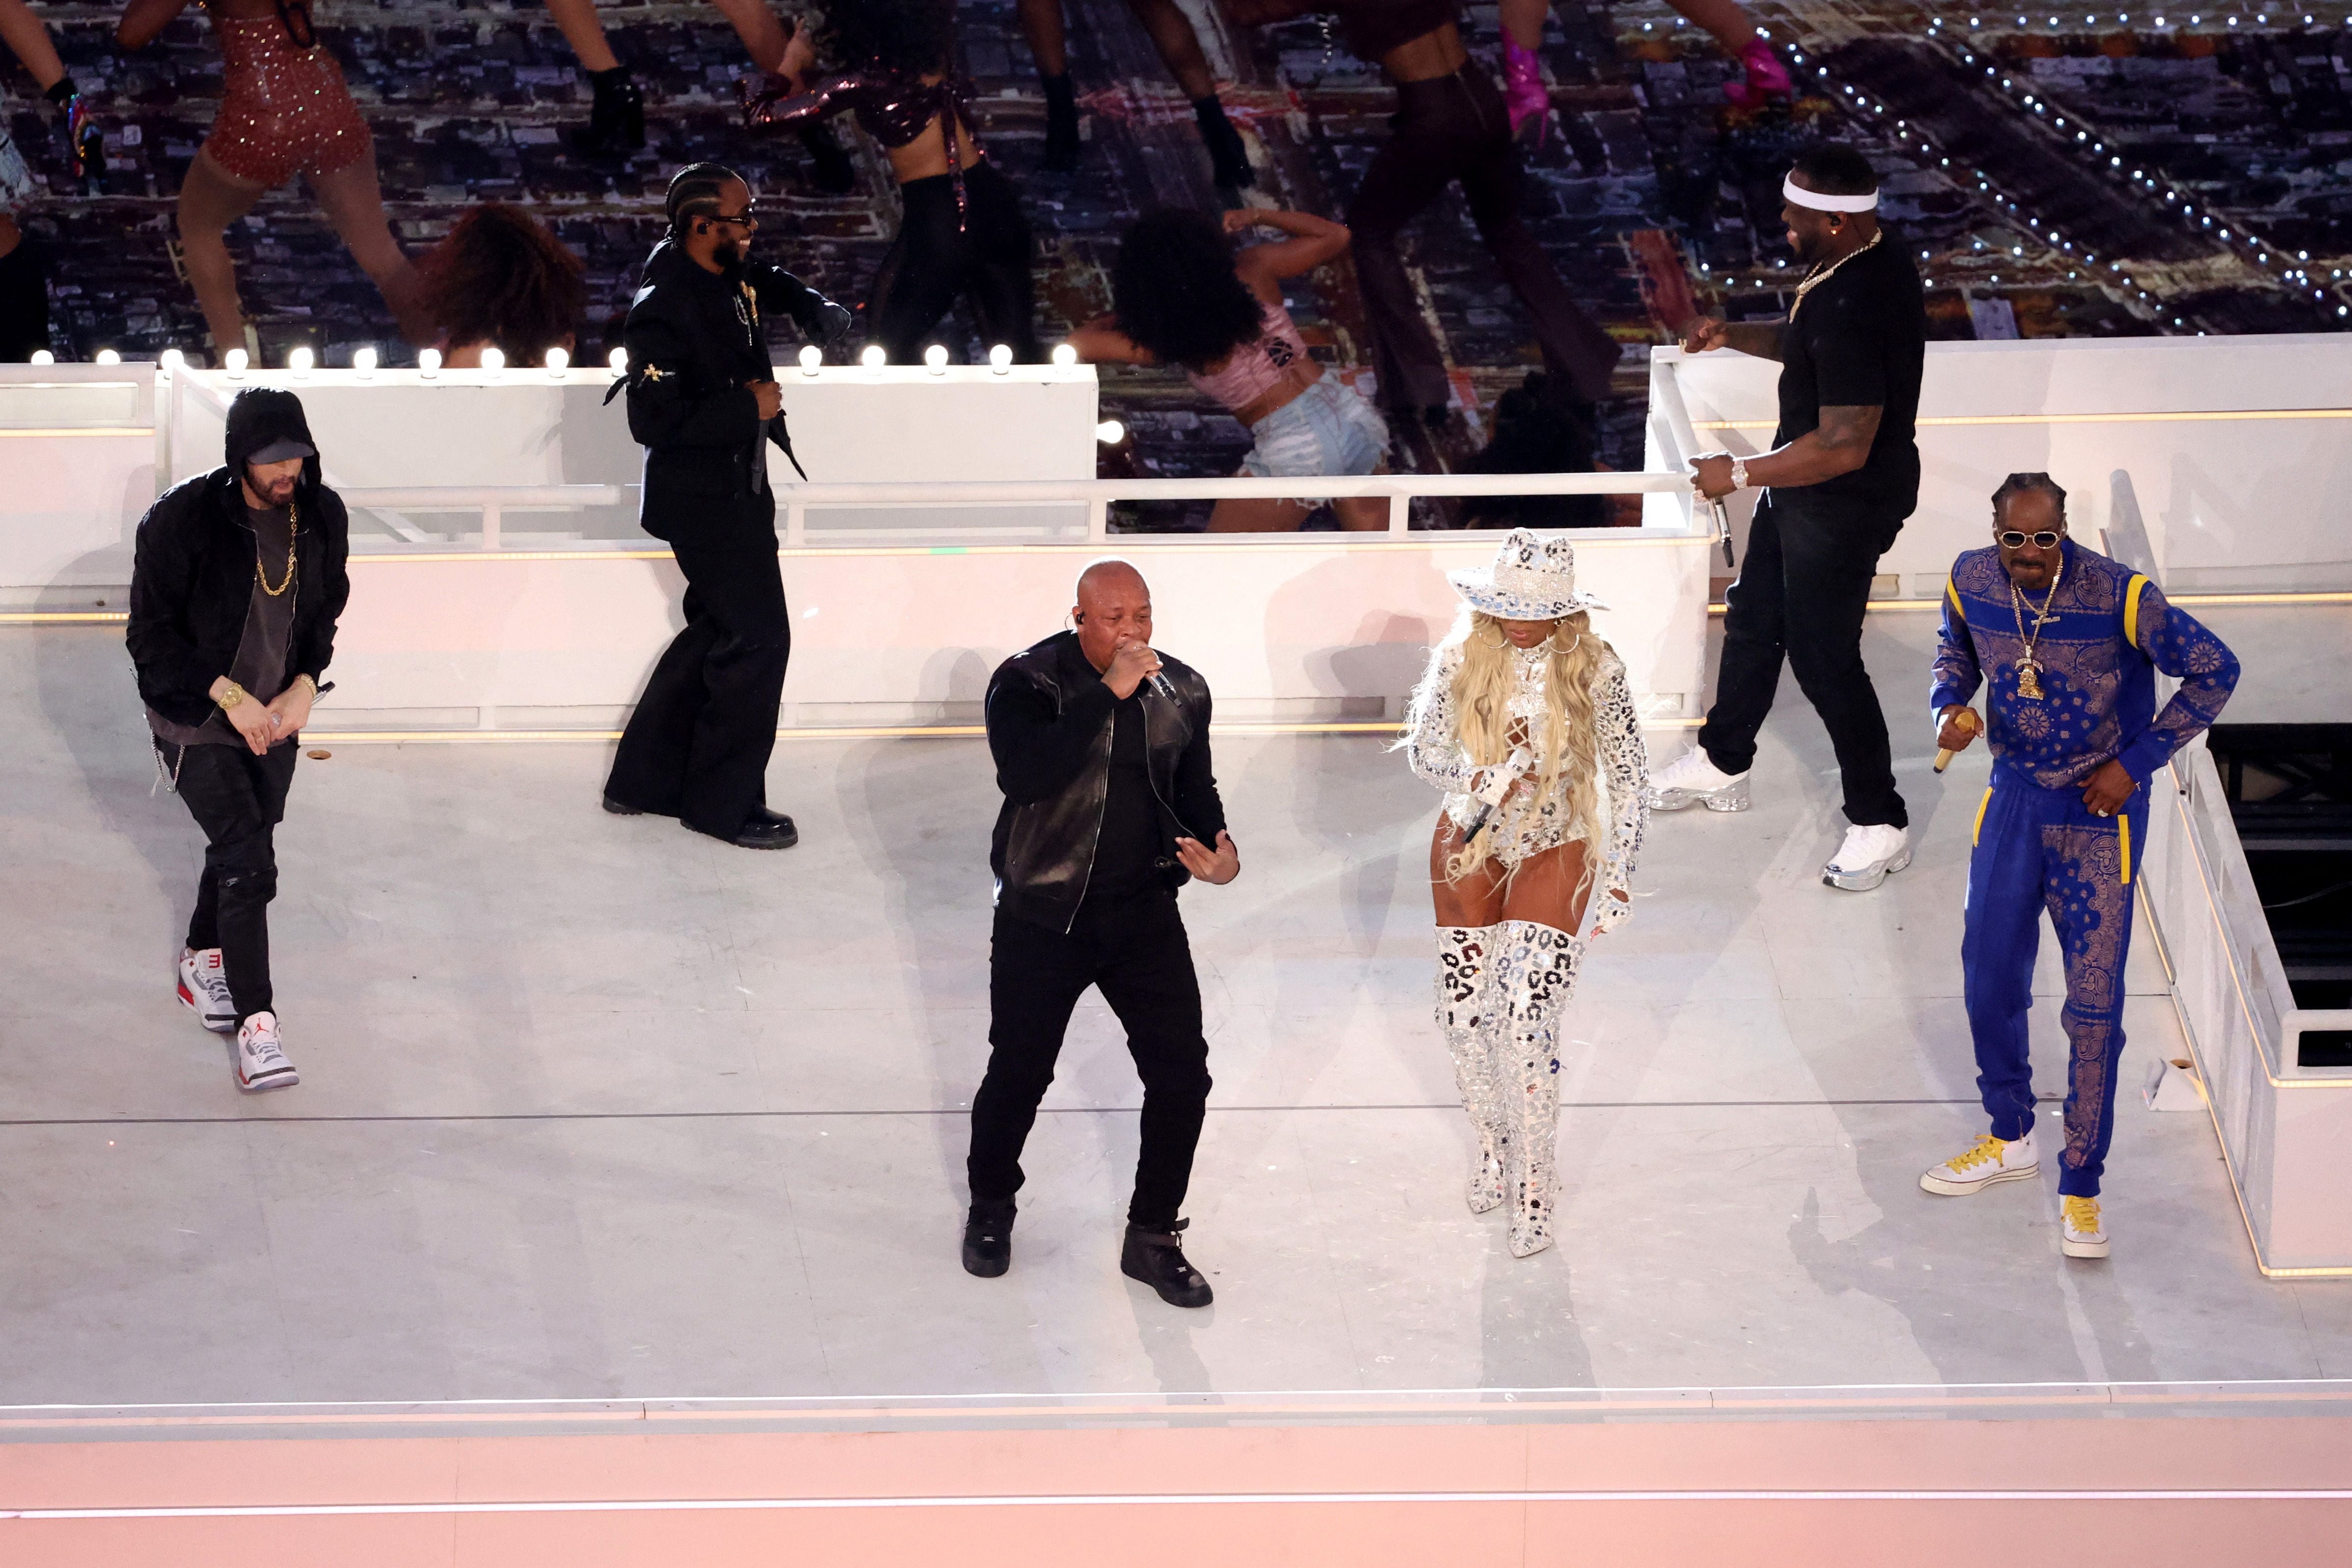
(284,111)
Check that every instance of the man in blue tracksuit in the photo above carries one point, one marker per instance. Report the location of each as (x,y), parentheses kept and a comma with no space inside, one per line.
(2066,644)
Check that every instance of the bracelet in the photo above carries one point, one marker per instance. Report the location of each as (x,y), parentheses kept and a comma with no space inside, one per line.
(1739,473)
(309,685)
(231,698)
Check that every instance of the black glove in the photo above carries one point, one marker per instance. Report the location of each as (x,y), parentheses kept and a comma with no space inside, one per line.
(828,321)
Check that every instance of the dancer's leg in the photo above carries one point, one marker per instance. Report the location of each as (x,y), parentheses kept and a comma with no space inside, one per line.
(1048,33)
(1467,914)
(577,20)
(1178,45)
(998,283)
(1260,514)
(920,275)
(1523,84)
(354,202)
(764,38)
(1406,175)
(1725,22)
(1522,21)
(211,198)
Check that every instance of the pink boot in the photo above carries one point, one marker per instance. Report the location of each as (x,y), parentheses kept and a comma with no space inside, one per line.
(1766,76)
(1524,93)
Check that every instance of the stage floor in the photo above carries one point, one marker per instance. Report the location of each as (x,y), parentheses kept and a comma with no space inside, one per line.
(597,1109)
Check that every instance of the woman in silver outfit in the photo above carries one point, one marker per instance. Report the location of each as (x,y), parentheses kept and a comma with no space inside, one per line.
(1523,704)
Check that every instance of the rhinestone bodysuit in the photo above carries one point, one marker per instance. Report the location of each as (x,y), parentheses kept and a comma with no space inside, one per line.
(284,109)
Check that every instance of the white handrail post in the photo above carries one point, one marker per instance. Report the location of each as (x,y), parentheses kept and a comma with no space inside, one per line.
(795,521)
(1098,519)
(1399,511)
(490,525)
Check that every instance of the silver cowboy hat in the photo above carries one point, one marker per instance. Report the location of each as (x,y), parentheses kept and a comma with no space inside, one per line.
(1533,579)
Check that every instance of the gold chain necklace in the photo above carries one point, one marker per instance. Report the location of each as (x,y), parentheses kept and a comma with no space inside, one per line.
(293,523)
(2028,668)
(1821,275)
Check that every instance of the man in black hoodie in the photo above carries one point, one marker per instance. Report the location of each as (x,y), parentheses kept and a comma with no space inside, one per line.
(237,583)
(704,402)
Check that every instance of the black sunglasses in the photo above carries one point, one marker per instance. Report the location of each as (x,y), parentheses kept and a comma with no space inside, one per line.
(2010,539)
(747,223)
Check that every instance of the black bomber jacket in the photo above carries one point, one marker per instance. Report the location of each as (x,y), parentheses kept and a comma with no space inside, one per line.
(1049,732)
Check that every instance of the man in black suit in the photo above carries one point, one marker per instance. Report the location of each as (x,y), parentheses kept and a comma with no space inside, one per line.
(704,402)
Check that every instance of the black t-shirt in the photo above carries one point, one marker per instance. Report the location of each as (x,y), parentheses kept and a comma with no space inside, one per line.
(1859,340)
(1127,855)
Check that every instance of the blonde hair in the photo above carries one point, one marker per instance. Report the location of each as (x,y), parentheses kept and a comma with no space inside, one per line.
(1566,752)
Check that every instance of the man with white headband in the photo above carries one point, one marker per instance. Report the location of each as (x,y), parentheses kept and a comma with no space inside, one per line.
(1842,474)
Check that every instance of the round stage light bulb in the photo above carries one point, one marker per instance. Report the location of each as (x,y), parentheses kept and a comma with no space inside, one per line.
(872,358)
(559,359)
(812,357)
(300,360)
(1110,432)
(1000,358)
(494,359)
(617,362)
(364,359)
(1064,356)
(43,356)
(428,363)
(171,360)
(108,356)
(235,361)
(935,358)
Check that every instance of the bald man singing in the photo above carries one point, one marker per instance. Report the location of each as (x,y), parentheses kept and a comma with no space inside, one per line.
(1101,746)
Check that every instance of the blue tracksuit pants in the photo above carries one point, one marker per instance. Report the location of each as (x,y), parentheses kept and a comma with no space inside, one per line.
(2038,849)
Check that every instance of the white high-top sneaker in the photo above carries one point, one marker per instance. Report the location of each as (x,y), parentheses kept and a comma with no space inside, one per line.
(2085,1235)
(260,1063)
(1989,1160)
(203,989)
(1867,857)
(1693,779)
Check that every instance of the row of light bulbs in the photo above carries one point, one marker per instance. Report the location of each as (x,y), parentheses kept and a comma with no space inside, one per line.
(2122,19)
(301,361)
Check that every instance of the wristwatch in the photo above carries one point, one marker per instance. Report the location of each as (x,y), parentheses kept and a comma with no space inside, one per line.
(1738,473)
(230,698)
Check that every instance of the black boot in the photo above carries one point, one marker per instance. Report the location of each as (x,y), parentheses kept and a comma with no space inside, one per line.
(1157,1258)
(617,118)
(1227,154)
(988,1237)
(830,169)
(1061,124)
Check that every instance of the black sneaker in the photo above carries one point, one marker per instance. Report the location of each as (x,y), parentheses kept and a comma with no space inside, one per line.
(1157,1258)
(988,1237)
(1062,141)
(616,114)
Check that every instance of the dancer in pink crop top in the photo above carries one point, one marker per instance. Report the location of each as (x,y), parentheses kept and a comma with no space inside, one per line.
(1185,298)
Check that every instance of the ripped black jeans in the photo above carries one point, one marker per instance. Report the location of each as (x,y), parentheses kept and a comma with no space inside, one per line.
(238,799)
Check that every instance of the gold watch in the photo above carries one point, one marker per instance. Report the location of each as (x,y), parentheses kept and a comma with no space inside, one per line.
(231,698)
(309,685)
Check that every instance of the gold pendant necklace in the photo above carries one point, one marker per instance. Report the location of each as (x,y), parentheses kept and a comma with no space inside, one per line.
(1821,274)
(293,519)
(2028,668)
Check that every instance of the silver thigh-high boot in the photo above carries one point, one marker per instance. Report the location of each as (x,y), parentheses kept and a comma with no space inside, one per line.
(1465,1016)
(1537,977)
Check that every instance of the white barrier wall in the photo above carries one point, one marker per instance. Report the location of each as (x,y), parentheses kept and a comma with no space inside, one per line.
(78,465)
(2240,448)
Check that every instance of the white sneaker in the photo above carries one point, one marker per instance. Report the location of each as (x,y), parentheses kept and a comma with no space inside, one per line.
(1990,1160)
(1866,857)
(1692,779)
(203,989)
(2085,1235)
(260,1063)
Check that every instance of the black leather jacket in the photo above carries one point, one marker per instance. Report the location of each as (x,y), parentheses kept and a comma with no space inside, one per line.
(1049,732)
(694,339)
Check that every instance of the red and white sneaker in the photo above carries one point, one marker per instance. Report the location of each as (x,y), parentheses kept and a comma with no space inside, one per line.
(260,1063)
(203,989)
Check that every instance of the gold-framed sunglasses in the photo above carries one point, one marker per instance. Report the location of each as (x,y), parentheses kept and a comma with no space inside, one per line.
(2013,539)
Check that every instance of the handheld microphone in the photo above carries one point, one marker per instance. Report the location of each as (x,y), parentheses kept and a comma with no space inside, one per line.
(1967,719)
(1499,785)
(1159,684)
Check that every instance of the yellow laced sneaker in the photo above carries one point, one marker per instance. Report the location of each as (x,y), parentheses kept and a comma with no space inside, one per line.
(2085,1236)
(1989,1160)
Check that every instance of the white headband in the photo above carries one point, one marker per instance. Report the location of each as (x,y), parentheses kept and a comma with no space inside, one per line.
(1798,196)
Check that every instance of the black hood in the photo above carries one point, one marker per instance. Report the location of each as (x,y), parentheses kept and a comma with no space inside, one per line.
(260,414)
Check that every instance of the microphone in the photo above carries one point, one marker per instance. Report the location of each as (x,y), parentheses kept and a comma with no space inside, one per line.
(1159,683)
(1490,797)
(1967,719)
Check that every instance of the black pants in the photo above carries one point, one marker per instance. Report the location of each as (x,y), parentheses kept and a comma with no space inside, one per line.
(932,262)
(1136,952)
(697,748)
(1455,128)
(238,799)
(1800,595)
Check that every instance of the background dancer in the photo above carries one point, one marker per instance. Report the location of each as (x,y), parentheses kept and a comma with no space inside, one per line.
(704,402)
(501,279)
(1523,670)
(236,585)
(284,111)
(1842,474)
(1102,750)
(2070,688)
(960,235)
(1450,127)
(1172,34)
(1185,297)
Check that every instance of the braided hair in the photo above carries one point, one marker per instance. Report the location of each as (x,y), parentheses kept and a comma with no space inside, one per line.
(2023,484)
